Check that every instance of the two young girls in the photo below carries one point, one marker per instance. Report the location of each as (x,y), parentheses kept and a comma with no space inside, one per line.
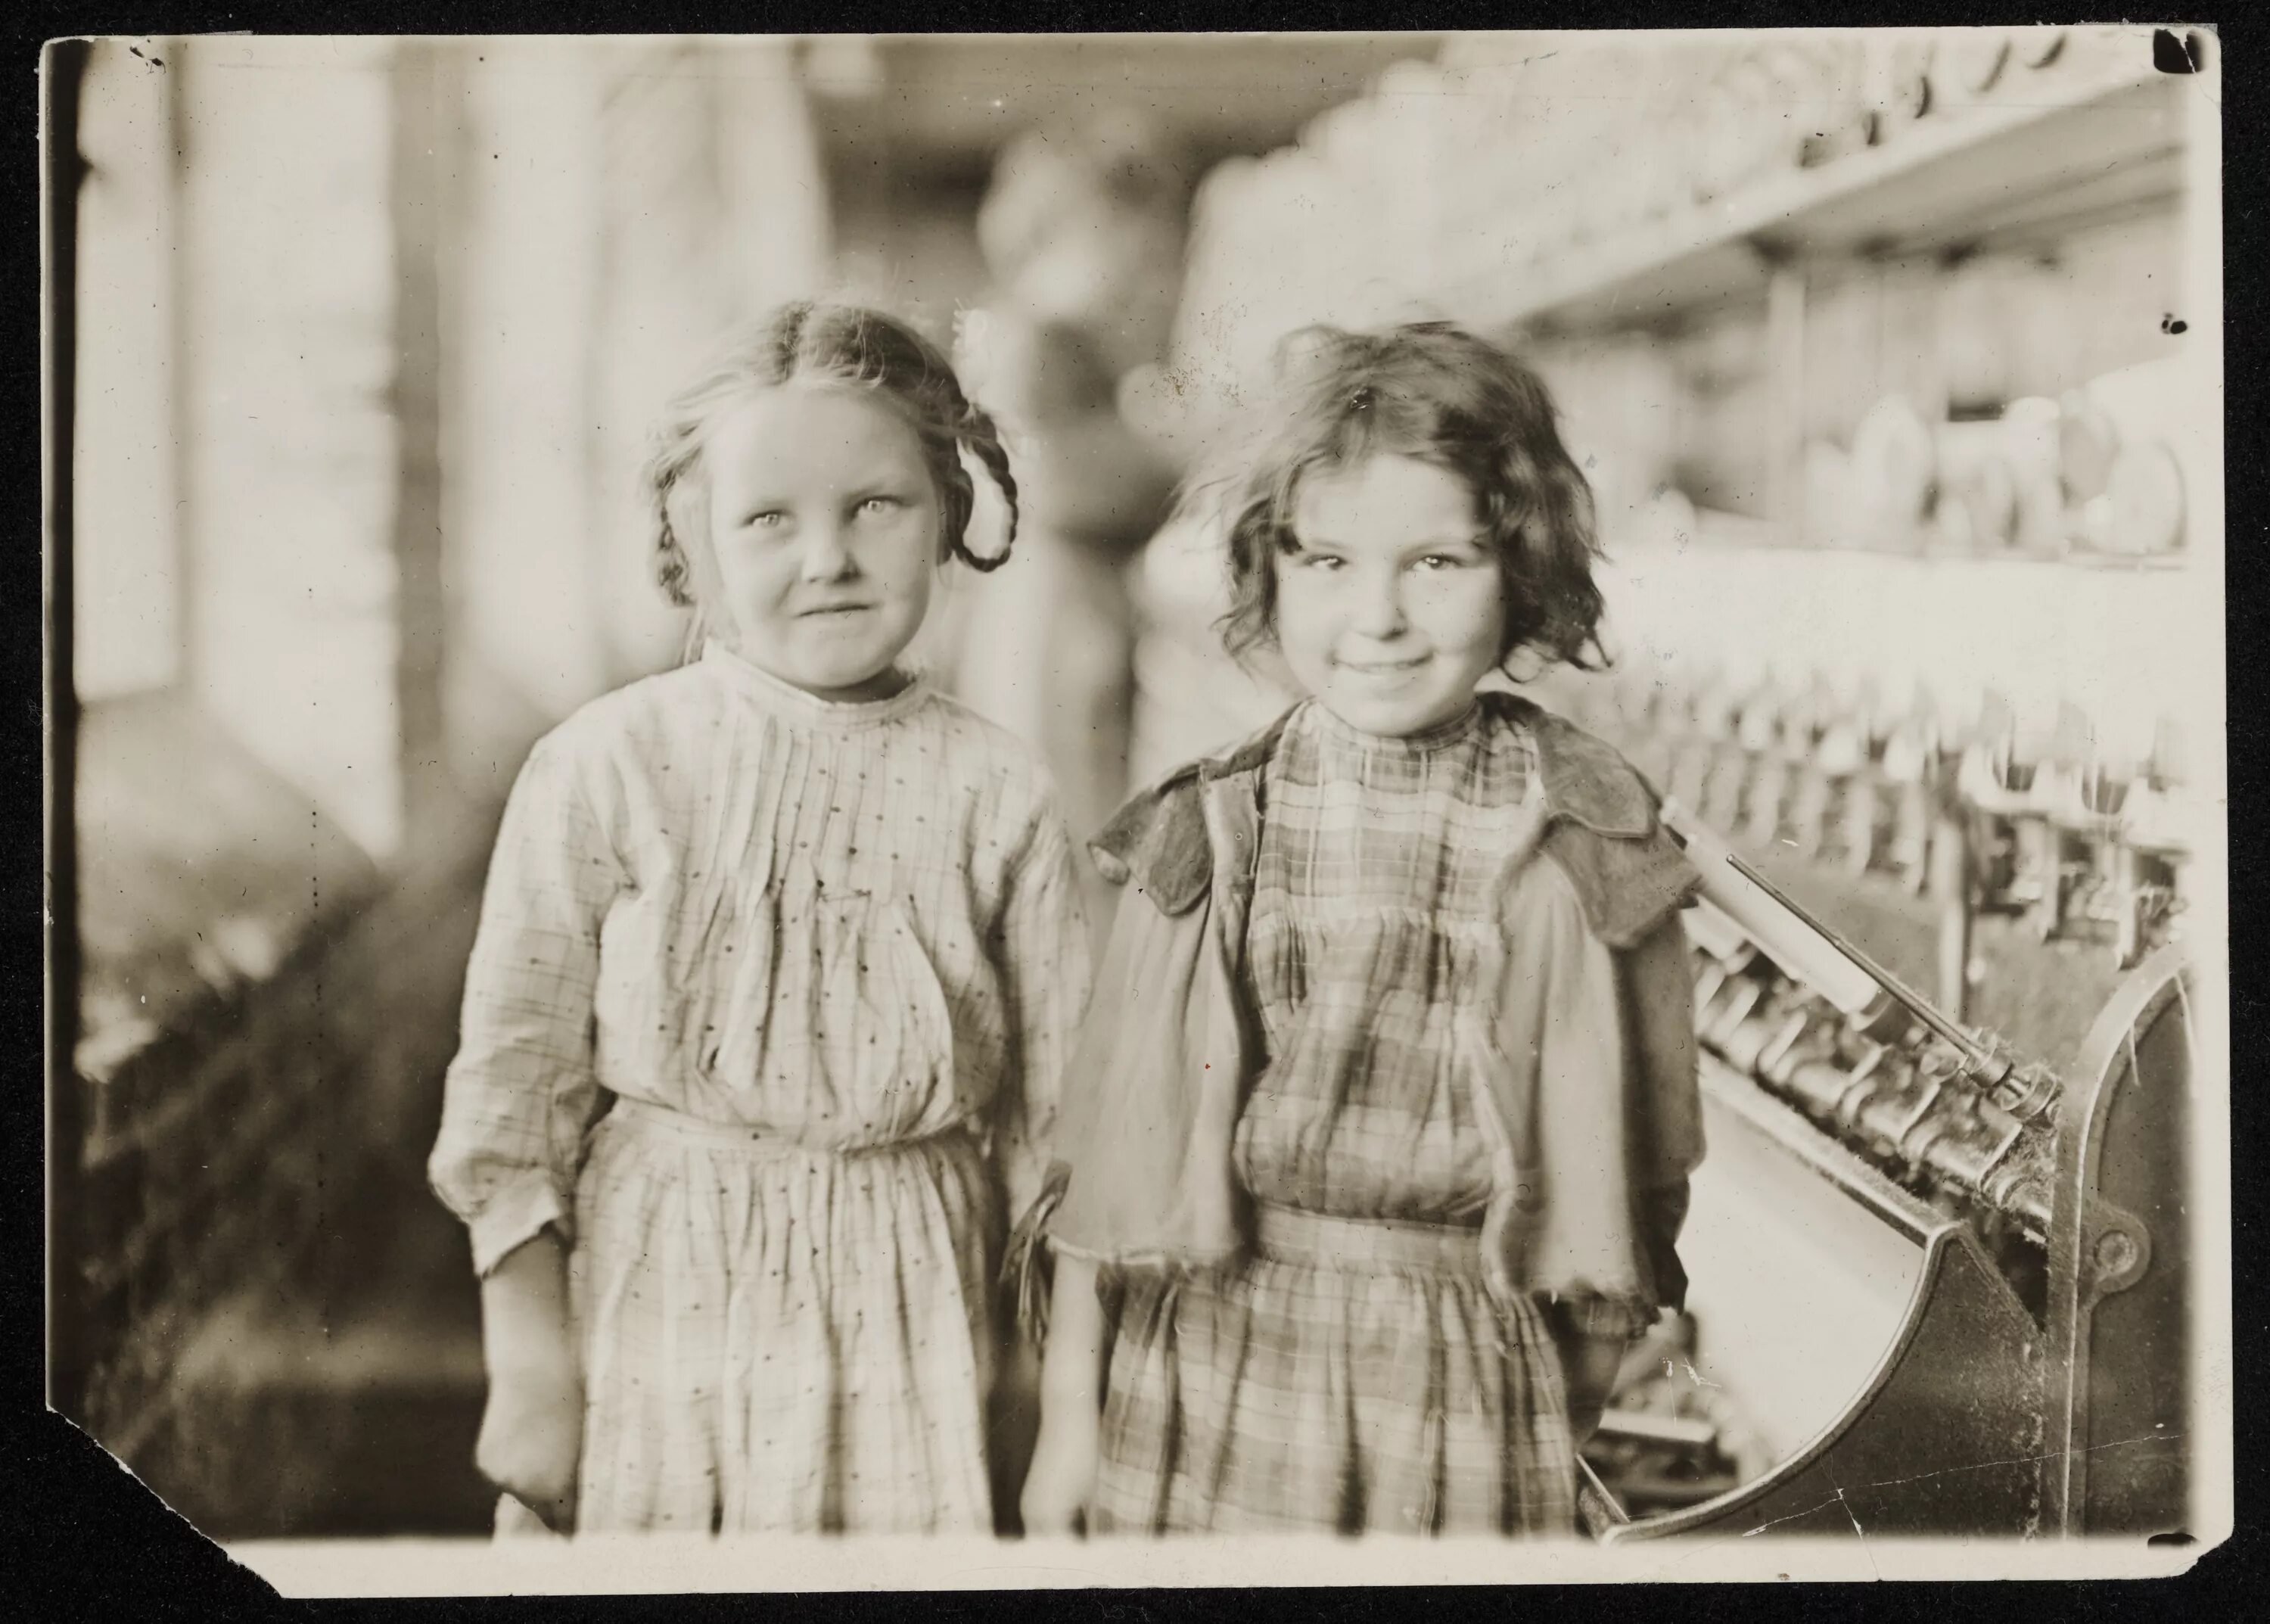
(1375,1139)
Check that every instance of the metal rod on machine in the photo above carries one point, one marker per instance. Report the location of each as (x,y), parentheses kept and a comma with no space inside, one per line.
(1980,1062)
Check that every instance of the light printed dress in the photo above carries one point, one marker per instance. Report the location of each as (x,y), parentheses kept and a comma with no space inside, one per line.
(767,1012)
(1356,1374)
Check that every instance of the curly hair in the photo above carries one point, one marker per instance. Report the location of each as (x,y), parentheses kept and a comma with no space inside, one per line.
(1434,392)
(840,344)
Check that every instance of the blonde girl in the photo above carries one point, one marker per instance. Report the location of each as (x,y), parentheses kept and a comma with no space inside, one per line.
(778,963)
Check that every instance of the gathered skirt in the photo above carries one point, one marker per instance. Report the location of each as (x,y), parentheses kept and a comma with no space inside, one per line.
(783,1340)
(1320,1387)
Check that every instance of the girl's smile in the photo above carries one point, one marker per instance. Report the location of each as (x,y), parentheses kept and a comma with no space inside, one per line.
(1386,669)
(1391,610)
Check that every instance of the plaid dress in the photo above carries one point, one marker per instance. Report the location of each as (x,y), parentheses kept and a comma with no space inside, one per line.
(1342,1379)
(769,1002)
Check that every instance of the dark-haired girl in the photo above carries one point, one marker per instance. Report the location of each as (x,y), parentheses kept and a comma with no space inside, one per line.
(1379,1133)
(780,958)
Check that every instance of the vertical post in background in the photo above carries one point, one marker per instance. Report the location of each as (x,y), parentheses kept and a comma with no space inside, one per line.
(288,315)
(179,416)
(1950,890)
(518,255)
(712,205)
(60,174)
(1921,288)
(772,187)
(421,181)
(661,301)
(126,531)
(598,441)
(1785,397)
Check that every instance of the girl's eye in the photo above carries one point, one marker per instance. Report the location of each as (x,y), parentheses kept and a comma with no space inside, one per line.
(881,504)
(771,518)
(1439,561)
(1326,561)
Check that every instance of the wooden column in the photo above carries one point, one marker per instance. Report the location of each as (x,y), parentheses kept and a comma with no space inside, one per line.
(126,501)
(711,211)
(292,458)
(426,147)
(656,308)
(516,265)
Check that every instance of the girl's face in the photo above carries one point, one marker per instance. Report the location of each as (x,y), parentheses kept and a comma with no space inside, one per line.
(1393,608)
(822,537)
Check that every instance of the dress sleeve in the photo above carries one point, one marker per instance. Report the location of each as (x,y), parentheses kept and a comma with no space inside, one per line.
(1613,1124)
(1046,971)
(1658,999)
(1663,1126)
(522,1090)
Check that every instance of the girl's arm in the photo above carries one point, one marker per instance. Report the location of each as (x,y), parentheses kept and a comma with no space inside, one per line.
(1591,1353)
(1658,992)
(519,1097)
(1063,1475)
(522,1090)
(530,1442)
(1656,989)
(1043,966)
(1045,975)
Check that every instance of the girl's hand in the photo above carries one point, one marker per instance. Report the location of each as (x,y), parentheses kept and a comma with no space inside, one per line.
(531,1439)
(1590,1365)
(1063,1476)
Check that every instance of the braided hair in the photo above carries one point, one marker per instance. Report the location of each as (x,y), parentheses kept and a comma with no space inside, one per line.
(857,347)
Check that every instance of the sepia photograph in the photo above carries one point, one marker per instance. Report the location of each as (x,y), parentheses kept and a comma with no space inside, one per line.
(991,810)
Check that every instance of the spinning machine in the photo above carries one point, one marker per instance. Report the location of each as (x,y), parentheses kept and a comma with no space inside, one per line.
(2023,1236)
